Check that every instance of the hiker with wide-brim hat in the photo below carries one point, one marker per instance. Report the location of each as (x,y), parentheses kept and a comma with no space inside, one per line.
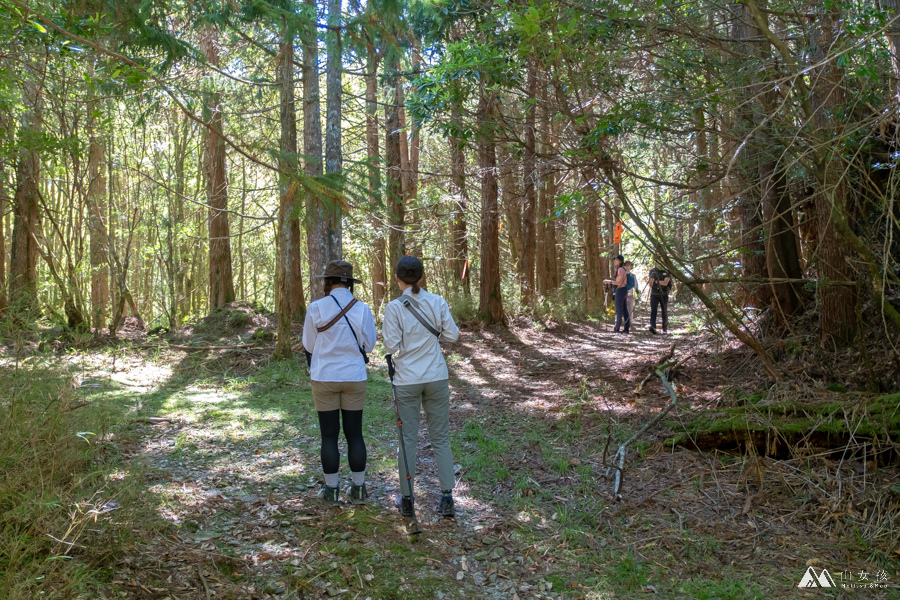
(339,332)
(414,326)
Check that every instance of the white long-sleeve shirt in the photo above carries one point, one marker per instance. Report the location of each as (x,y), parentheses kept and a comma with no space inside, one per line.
(417,351)
(335,355)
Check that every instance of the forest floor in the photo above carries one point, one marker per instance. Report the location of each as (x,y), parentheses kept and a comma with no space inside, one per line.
(223,445)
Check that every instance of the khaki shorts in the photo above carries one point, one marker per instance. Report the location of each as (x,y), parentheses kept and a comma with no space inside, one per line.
(332,395)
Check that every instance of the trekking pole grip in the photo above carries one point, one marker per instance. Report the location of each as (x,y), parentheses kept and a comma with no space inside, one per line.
(390,364)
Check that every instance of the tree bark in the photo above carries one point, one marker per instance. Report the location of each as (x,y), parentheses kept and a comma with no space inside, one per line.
(221,280)
(459,244)
(27,218)
(782,258)
(373,154)
(316,213)
(4,199)
(593,263)
(490,305)
(289,293)
(98,252)
(333,158)
(611,249)
(393,189)
(892,8)
(837,301)
(547,243)
(529,176)
(750,213)
(413,179)
(512,207)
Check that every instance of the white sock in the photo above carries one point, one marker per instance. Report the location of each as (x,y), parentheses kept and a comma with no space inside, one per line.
(331,479)
(358,477)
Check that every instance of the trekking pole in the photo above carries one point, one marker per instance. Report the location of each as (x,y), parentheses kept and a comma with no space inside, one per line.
(414,529)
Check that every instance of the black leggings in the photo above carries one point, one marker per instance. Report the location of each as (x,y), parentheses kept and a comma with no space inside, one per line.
(330,425)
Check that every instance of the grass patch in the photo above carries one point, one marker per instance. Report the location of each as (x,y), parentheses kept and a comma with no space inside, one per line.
(59,483)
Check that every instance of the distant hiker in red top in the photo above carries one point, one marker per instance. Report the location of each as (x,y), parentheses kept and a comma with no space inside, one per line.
(621,283)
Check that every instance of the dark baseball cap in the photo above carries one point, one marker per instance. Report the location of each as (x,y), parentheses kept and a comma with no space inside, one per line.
(410,269)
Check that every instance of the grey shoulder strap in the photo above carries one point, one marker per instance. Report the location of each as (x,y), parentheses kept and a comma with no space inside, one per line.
(417,313)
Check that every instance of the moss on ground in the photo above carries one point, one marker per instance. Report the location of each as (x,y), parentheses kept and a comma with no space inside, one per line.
(793,419)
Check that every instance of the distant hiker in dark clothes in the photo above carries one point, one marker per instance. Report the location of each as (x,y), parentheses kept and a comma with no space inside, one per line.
(660,282)
(337,370)
(414,326)
(621,282)
(631,288)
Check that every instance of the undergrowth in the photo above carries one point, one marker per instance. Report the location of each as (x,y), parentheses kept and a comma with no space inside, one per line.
(57,485)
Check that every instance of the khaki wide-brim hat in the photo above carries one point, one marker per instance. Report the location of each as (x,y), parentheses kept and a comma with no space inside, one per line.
(339,269)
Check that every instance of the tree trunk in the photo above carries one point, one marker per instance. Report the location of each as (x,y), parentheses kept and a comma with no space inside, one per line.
(459,245)
(593,263)
(316,214)
(547,250)
(333,157)
(750,238)
(379,267)
(512,208)
(4,200)
(892,8)
(611,249)
(96,227)
(753,259)
(221,281)
(782,259)
(289,294)
(837,299)
(490,304)
(393,190)
(413,178)
(27,218)
(529,176)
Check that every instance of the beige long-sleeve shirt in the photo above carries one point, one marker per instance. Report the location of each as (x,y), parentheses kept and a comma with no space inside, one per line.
(417,351)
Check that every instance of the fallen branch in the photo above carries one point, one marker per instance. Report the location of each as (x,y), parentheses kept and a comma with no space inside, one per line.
(620,453)
(235,347)
(665,358)
(154,420)
(205,585)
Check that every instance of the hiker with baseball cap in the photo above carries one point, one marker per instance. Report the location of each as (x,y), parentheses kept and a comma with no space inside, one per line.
(339,332)
(621,295)
(414,325)
(660,283)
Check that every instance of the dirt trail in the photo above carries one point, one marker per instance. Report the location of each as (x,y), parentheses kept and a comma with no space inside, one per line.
(236,471)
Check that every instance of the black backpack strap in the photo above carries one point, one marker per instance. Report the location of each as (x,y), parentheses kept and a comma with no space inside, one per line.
(344,313)
(417,313)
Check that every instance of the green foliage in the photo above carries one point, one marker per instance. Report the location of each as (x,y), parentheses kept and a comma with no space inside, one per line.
(56,489)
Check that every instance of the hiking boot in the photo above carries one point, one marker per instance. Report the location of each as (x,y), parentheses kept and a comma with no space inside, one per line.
(329,495)
(652,330)
(447,508)
(404,505)
(358,494)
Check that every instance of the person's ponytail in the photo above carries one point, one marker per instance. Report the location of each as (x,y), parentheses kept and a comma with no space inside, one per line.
(415,287)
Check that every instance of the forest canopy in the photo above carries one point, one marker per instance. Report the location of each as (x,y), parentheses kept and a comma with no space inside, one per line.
(162,159)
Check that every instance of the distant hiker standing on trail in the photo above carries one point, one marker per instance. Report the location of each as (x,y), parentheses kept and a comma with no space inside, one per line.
(414,325)
(621,296)
(339,332)
(660,282)
(631,288)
